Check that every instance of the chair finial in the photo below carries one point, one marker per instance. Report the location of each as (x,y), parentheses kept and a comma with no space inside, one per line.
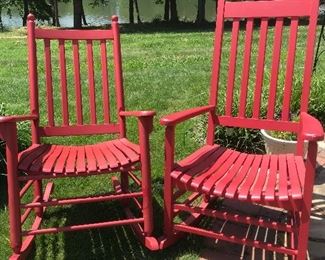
(30,17)
(114,18)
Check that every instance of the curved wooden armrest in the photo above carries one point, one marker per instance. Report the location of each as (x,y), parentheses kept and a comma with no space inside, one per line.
(138,113)
(15,118)
(178,117)
(311,128)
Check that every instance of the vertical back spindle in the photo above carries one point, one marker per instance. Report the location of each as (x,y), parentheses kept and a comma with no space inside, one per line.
(289,69)
(105,90)
(91,80)
(232,66)
(49,82)
(246,67)
(77,82)
(260,68)
(275,67)
(63,80)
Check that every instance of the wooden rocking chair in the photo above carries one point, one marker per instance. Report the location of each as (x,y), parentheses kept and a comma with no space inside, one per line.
(50,161)
(283,181)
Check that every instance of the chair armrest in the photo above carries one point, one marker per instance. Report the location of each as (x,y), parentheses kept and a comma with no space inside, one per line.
(138,113)
(15,118)
(311,128)
(178,117)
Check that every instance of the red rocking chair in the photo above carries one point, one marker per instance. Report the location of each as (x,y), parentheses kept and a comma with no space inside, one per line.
(283,181)
(50,161)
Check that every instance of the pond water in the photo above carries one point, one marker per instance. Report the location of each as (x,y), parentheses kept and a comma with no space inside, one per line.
(99,15)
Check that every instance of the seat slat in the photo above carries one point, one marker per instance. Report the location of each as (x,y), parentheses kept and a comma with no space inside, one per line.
(71,160)
(81,160)
(191,160)
(123,160)
(256,192)
(246,185)
(301,170)
(283,178)
(50,162)
(31,156)
(222,169)
(232,66)
(295,187)
(110,158)
(221,185)
(233,186)
(133,146)
(61,161)
(100,158)
(90,159)
(246,67)
(38,163)
(202,165)
(272,178)
(133,157)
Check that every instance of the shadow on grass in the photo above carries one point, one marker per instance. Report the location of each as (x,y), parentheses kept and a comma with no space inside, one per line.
(106,243)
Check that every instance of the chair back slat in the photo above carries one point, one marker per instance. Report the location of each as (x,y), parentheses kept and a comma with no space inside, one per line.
(263,49)
(260,68)
(105,87)
(91,81)
(246,67)
(63,81)
(290,69)
(77,82)
(268,8)
(275,67)
(49,82)
(232,66)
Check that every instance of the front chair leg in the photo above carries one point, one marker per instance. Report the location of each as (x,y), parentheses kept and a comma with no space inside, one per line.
(145,126)
(13,186)
(38,193)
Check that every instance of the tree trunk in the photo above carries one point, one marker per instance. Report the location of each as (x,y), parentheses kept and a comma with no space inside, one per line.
(166,13)
(83,16)
(137,10)
(173,11)
(26,11)
(77,13)
(131,11)
(1,23)
(200,17)
(55,15)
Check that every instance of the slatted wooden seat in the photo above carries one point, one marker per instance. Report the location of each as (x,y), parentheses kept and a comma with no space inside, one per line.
(215,170)
(119,154)
(76,107)
(253,82)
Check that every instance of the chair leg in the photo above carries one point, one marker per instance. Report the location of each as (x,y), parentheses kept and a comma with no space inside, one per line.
(147,201)
(38,193)
(302,245)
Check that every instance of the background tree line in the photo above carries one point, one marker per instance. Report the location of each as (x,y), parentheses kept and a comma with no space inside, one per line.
(47,10)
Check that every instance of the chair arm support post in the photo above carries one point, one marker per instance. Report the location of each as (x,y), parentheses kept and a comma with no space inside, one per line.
(311,128)
(145,126)
(8,132)
(168,181)
(178,117)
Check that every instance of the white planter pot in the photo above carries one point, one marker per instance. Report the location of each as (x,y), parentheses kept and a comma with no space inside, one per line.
(280,146)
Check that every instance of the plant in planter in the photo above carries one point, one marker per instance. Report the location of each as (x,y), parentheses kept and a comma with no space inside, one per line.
(277,142)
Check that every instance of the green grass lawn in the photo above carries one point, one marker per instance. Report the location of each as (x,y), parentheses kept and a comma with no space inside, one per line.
(165,72)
